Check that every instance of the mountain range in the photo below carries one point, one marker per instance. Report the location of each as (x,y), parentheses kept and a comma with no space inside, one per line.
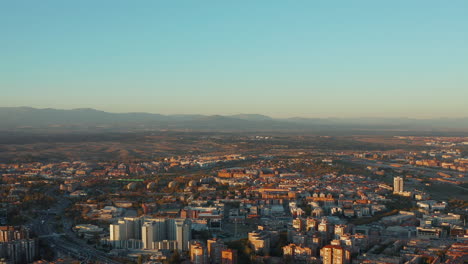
(83,119)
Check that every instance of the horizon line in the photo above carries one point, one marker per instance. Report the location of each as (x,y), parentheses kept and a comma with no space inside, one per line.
(234,114)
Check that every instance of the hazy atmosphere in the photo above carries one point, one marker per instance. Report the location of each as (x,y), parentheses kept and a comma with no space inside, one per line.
(282,59)
(233,132)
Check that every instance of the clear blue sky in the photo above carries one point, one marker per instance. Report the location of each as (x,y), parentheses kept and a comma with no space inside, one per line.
(281,58)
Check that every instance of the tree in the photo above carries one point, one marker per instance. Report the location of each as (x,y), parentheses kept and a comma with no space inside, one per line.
(175,258)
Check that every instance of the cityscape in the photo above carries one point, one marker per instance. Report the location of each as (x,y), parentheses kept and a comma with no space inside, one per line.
(234,132)
(293,203)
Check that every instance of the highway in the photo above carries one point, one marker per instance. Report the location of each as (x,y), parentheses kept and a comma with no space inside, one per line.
(66,243)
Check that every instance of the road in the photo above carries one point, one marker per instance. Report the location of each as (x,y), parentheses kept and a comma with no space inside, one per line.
(66,243)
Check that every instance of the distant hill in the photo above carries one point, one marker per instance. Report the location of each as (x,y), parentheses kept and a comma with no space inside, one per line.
(85,119)
(252,117)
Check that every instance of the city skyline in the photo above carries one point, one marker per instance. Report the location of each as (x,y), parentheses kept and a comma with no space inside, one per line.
(303,59)
(233,132)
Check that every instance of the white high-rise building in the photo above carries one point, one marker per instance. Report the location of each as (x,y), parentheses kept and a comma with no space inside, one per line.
(150,232)
(133,225)
(117,231)
(147,235)
(397,184)
(171,229)
(183,228)
(160,229)
(125,229)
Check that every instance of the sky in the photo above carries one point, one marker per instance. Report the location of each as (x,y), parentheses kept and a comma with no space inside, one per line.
(362,58)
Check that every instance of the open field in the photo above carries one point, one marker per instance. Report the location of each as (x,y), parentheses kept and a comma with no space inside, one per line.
(153,145)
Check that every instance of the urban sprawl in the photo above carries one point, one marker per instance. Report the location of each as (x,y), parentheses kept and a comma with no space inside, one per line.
(276,207)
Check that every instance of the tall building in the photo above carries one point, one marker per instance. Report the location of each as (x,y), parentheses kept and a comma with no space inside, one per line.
(160,229)
(397,184)
(147,235)
(340,230)
(126,233)
(116,232)
(298,253)
(229,256)
(198,253)
(333,254)
(171,229)
(312,224)
(16,246)
(215,247)
(260,242)
(183,230)
(325,229)
(10,233)
(126,229)
(133,226)
(166,245)
(299,224)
